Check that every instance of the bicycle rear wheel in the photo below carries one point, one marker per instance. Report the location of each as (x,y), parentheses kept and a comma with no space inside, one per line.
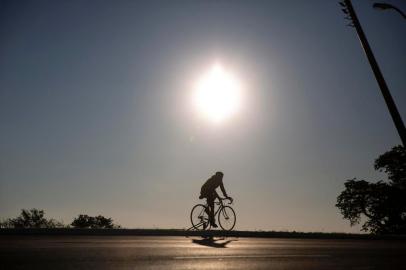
(199,217)
(227,218)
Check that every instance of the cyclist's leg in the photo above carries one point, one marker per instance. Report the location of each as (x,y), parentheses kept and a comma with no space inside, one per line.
(210,202)
(204,195)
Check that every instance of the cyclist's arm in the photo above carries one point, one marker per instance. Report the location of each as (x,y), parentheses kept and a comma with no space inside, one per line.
(217,195)
(223,189)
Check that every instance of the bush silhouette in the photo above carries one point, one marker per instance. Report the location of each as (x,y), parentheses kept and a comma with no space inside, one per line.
(97,222)
(382,204)
(33,218)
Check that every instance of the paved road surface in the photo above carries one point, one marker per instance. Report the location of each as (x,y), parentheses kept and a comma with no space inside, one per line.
(136,252)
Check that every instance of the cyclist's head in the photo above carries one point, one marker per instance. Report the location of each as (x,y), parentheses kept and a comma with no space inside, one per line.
(220,174)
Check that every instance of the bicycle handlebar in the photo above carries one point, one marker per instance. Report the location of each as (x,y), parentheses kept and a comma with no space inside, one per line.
(229,199)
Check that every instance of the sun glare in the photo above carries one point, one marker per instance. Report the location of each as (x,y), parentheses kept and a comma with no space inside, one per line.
(218,94)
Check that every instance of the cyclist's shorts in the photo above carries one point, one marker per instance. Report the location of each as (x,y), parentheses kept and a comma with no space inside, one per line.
(207,194)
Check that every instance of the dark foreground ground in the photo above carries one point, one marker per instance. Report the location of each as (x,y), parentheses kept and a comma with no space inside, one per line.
(176,252)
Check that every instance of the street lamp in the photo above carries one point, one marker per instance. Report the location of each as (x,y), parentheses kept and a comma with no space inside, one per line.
(384,6)
(348,9)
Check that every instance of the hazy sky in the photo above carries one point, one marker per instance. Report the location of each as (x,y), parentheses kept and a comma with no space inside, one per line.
(96,115)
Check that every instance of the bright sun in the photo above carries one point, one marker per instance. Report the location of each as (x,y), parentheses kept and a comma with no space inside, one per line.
(217,94)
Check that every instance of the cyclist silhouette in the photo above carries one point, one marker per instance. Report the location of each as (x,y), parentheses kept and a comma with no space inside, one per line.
(208,191)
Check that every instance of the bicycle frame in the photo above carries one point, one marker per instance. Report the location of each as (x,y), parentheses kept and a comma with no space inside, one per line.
(203,214)
(219,203)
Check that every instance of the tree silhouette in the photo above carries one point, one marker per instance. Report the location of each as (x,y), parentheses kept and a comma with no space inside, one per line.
(97,222)
(382,204)
(33,218)
(394,164)
(82,221)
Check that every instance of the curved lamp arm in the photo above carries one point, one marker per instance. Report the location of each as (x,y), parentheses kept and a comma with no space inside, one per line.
(384,6)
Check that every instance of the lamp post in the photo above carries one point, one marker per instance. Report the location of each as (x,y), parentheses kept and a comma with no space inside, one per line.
(390,103)
(384,6)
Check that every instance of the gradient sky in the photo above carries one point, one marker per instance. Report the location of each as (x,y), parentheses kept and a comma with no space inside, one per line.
(96,117)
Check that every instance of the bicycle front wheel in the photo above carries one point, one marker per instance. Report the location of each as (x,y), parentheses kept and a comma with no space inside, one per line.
(227,218)
(199,217)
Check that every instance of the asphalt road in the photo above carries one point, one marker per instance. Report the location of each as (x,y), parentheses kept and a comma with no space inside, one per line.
(137,252)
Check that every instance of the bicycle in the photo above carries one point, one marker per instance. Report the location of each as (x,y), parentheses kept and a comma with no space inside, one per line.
(226,216)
